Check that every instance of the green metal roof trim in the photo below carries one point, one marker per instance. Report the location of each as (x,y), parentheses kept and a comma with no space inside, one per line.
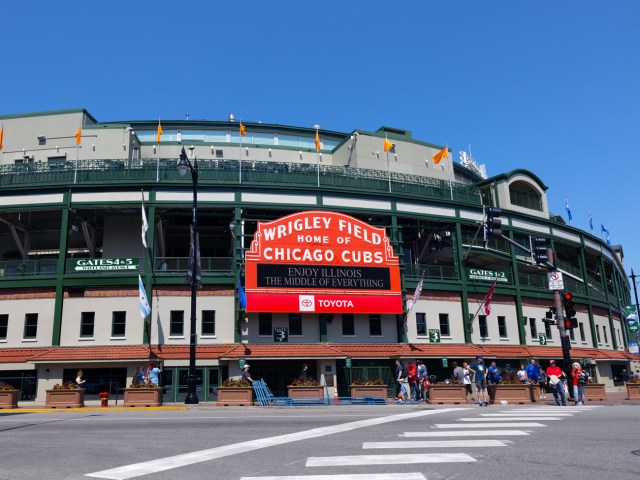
(226,125)
(45,114)
(513,173)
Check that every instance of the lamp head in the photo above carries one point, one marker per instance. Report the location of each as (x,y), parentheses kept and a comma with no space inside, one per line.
(183,163)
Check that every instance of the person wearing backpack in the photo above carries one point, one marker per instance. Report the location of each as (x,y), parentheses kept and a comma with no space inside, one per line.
(422,378)
(401,374)
(580,379)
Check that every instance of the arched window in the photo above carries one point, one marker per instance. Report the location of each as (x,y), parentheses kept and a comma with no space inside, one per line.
(523,194)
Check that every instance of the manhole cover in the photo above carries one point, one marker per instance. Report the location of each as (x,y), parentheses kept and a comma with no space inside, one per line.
(636,452)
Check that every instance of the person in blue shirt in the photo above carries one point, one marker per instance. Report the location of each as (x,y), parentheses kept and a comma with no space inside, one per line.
(494,374)
(154,373)
(480,372)
(533,371)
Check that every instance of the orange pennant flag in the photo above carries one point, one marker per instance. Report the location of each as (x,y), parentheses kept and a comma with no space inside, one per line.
(318,144)
(243,129)
(78,136)
(1,135)
(444,153)
(387,144)
(159,136)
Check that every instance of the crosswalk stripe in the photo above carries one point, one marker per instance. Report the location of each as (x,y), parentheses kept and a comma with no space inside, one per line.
(493,425)
(528,415)
(190,458)
(354,476)
(507,418)
(435,444)
(358,460)
(465,433)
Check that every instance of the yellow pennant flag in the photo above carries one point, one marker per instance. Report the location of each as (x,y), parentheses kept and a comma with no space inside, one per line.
(159,135)
(318,144)
(78,136)
(243,130)
(444,153)
(387,144)
(1,135)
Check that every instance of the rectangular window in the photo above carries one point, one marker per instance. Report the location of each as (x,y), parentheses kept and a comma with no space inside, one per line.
(572,336)
(547,331)
(421,324)
(4,326)
(444,325)
(619,338)
(176,323)
(348,325)
(295,324)
(502,327)
(87,323)
(598,333)
(264,324)
(482,321)
(581,327)
(118,324)
(604,333)
(208,326)
(533,328)
(375,325)
(30,326)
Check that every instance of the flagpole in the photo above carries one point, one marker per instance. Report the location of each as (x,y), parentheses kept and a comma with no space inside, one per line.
(482,304)
(450,173)
(158,135)
(240,153)
(75,169)
(388,171)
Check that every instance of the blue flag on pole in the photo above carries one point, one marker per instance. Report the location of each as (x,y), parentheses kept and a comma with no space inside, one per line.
(566,205)
(145,309)
(242,297)
(590,221)
(606,232)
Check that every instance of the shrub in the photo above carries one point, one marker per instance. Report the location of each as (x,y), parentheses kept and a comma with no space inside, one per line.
(143,385)
(231,382)
(309,382)
(6,386)
(368,381)
(66,386)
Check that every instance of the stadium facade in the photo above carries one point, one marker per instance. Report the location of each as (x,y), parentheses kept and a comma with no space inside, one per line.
(328,242)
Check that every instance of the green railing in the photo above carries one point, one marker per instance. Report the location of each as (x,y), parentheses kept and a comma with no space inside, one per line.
(211,265)
(226,171)
(470,239)
(431,272)
(569,268)
(30,268)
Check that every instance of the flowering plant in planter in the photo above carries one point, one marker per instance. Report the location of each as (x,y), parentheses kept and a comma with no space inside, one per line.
(512,381)
(66,386)
(633,380)
(309,382)
(6,386)
(368,381)
(233,383)
(143,385)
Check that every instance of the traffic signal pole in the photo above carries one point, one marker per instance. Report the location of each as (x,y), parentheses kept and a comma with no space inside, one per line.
(565,341)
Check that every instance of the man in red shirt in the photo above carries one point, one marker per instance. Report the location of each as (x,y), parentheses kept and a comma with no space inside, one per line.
(554,376)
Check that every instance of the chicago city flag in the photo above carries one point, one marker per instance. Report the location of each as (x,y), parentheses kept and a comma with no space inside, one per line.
(145,309)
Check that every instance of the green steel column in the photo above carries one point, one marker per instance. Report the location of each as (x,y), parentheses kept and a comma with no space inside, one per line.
(585,278)
(462,274)
(522,334)
(396,242)
(236,269)
(147,277)
(322,322)
(60,271)
(606,290)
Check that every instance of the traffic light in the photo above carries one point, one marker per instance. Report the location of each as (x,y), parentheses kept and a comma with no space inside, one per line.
(540,250)
(493,223)
(569,311)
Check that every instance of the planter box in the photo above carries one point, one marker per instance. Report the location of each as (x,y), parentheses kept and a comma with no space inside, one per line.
(65,398)
(305,392)
(447,394)
(142,397)
(594,392)
(9,398)
(235,397)
(633,391)
(520,394)
(369,391)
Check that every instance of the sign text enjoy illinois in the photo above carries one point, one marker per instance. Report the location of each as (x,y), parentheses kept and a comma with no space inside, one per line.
(324,262)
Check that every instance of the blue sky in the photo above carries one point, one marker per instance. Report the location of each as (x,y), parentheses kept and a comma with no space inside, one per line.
(548,86)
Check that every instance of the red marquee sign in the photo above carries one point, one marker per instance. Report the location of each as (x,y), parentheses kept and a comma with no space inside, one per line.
(324,262)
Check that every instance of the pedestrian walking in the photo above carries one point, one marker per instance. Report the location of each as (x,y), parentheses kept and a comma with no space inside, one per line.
(580,379)
(79,380)
(467,381)
(555,376)
(400,375)
(480,372)
(533,371)
(542,384)
(246,376)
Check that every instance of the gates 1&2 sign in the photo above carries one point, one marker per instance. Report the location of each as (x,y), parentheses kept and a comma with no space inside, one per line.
(323,262)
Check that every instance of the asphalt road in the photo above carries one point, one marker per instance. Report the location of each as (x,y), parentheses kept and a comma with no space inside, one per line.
(325,443)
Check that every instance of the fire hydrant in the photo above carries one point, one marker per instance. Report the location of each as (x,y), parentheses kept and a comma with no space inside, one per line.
(105,402)
(104,397)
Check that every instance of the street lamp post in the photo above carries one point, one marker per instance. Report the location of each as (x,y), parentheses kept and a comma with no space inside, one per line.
(184,165)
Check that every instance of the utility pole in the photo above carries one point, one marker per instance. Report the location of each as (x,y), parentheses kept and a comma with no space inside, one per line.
(565,341)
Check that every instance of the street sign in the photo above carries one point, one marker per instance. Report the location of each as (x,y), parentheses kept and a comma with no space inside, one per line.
(543,339)
(104,264)
(445,362)
(242,363)
(280,334)
(347,362)
(555,281)
(434,335)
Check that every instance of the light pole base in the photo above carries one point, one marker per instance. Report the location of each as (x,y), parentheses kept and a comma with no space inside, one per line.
(191,399)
